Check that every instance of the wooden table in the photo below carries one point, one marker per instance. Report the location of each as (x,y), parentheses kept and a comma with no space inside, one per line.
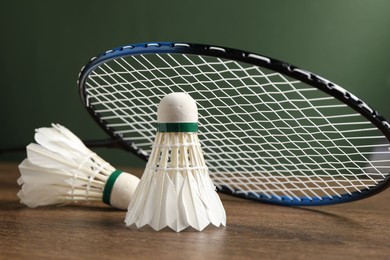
(254,231)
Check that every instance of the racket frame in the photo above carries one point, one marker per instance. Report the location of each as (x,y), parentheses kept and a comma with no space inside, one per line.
(284,68)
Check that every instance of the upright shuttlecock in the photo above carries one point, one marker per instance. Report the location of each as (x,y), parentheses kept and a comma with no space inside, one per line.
(61,169)
(175,189)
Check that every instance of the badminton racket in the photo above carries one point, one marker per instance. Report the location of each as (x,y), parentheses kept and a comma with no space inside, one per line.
(270,131)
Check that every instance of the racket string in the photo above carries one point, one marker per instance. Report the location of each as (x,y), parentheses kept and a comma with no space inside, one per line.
(263,132)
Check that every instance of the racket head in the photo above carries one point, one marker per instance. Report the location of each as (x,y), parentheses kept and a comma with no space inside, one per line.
(269,160)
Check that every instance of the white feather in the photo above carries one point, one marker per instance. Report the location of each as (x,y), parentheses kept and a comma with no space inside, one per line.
(30,171)
(166,206)
(60,140)
(39,155)
(195,209)
(215,211)
(147,210)
(181,219)
(138,201)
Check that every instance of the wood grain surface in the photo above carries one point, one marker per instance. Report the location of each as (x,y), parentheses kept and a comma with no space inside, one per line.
(254,231)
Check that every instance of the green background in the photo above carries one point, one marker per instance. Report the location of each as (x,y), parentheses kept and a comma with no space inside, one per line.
(45,43)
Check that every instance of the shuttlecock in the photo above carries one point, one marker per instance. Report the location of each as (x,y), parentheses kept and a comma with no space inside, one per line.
(60,169)
(175,189)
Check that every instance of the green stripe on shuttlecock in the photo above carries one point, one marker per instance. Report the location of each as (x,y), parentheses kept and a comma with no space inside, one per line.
(109,185)
(177,127)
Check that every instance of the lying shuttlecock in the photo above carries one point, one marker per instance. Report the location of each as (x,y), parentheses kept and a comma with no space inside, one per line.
(61,169)
(175,189)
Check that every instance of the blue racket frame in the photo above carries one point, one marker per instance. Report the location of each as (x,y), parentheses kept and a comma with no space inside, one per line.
(254,59)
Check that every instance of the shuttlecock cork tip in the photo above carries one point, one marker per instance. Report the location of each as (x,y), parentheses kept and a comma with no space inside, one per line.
(177,108)
(177,112)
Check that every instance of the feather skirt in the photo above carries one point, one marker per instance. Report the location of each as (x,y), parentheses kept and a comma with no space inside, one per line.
(175,189)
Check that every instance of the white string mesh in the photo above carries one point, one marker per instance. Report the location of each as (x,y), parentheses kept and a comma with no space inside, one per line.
(261,132)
